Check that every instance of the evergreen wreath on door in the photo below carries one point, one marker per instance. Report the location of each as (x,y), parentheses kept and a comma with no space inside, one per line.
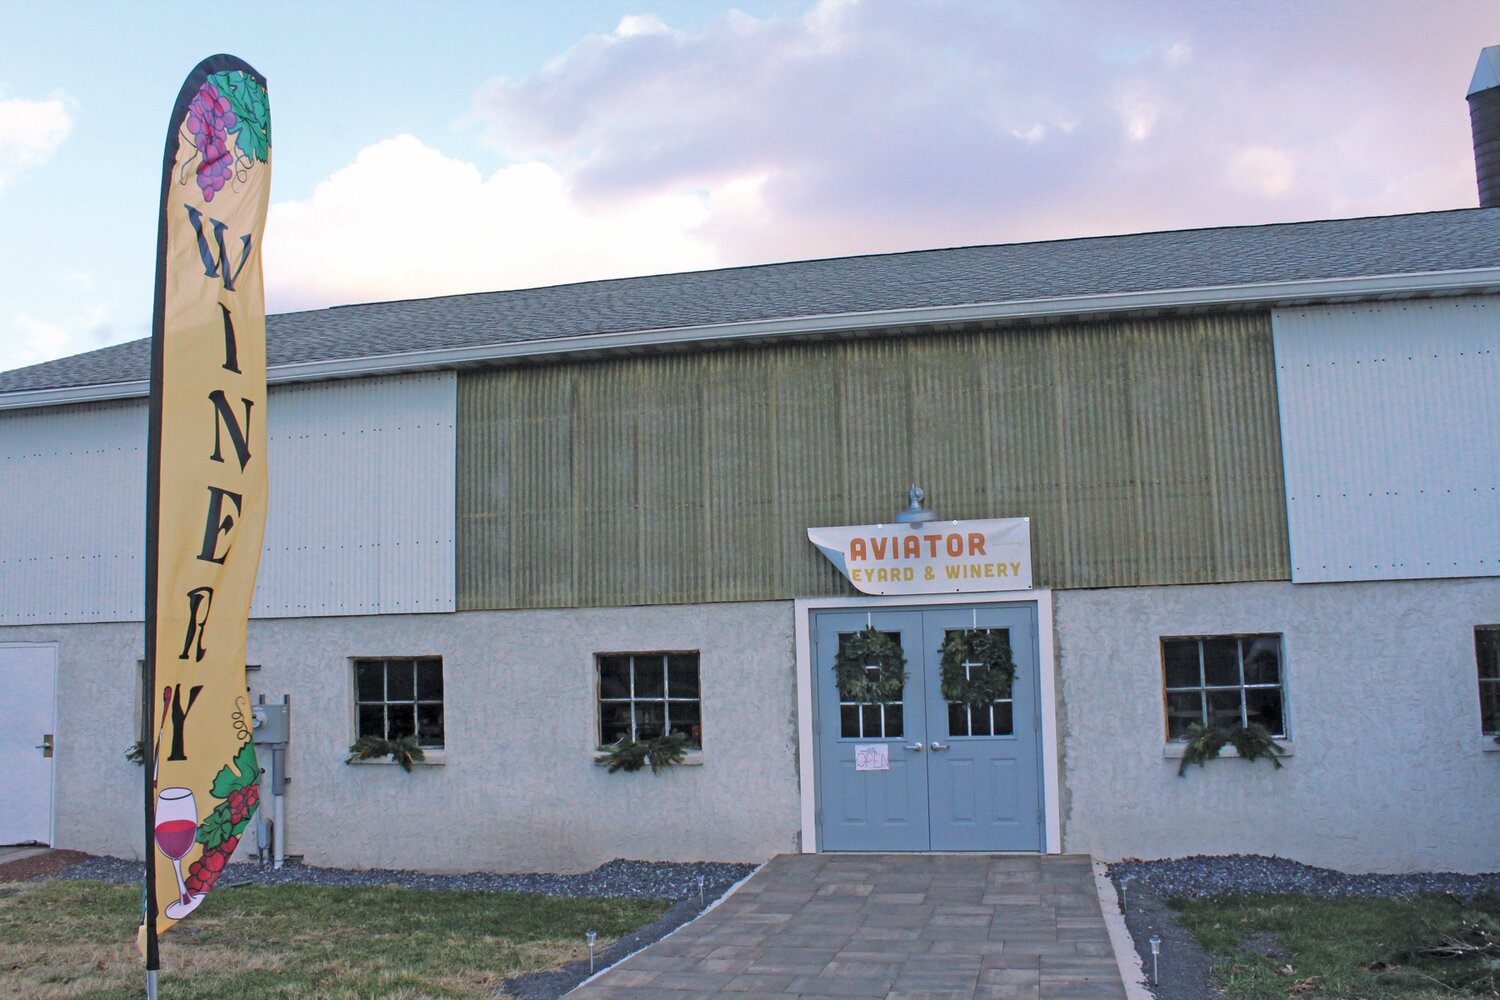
(991,680)
(867,648)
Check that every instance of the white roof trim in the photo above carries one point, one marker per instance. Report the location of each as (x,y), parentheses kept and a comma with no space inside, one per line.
(1473,281)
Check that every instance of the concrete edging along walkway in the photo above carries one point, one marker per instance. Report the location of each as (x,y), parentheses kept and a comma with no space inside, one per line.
(898,926)
(1127,957)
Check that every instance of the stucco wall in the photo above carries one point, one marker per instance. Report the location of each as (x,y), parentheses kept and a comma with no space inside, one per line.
(517,789)
(1389,772)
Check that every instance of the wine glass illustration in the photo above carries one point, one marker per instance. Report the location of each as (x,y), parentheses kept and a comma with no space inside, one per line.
(176,830)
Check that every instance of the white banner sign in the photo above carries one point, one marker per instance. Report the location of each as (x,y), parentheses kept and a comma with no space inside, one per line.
(933,557)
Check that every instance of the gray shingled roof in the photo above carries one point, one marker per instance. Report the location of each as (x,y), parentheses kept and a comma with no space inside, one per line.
(1145,262)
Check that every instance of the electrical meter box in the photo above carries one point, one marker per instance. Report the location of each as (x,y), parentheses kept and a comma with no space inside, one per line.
(269,723)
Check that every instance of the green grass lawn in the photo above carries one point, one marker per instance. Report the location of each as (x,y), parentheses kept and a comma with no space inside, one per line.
(77,940)
(1349,949)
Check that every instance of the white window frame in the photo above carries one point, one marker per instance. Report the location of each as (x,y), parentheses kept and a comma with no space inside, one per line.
(883,708)
(1482,630)
(1008,701)
(631,700)
(416,701)
(1204,688)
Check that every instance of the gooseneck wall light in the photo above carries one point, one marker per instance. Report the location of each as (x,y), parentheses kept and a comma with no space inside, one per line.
(915,513)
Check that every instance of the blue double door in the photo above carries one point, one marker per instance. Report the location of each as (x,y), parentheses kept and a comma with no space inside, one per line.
(950,777)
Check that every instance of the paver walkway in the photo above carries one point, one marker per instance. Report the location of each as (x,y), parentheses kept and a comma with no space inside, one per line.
(901,926)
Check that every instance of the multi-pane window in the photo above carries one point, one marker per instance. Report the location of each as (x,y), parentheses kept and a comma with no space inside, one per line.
(646,695)
(1487,652)
(1224,681)
(995,719)
(396,698)
(865,720)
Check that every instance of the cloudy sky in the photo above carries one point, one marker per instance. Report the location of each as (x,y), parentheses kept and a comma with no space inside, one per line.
(422,149)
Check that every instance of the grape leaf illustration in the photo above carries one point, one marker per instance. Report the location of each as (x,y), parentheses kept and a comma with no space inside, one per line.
(247,99)
(227,780)
(236,785)
(216,827)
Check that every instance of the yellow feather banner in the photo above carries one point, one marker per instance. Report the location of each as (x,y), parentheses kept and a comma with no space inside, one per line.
(206,486)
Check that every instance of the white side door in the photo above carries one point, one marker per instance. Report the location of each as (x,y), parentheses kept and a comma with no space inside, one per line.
(28,717)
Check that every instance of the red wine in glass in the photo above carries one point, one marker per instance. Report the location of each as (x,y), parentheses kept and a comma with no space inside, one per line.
(176,830)
(175,837)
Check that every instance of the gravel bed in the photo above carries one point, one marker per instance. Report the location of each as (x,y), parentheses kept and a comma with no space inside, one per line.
(1186,970)
(1243,874)
(653,879)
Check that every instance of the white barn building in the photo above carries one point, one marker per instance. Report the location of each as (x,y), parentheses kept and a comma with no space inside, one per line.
(1259,470)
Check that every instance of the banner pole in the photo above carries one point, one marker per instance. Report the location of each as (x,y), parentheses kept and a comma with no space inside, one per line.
(149,748)
(149,752)
(149,743)
(148,762)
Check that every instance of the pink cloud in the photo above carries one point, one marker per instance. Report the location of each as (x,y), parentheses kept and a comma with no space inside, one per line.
(888,124)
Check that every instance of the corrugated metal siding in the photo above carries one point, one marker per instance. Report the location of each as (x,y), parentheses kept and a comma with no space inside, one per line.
(1145,452)
(361,518)
(361,515)
(1391,421)
(72,513)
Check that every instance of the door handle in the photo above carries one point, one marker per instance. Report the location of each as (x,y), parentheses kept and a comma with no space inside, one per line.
(939,746)
(46,745)
(914,747)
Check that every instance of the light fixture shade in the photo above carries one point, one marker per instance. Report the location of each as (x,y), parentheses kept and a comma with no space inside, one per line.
(915,513)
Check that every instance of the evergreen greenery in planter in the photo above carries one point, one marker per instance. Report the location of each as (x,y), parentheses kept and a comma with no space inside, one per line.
(1251,742)
(632,755)
(404,751)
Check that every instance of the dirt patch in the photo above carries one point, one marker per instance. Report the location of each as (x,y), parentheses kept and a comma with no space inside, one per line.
(47,863)
(1183,968)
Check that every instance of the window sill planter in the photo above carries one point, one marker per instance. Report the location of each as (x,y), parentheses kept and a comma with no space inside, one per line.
(691,757)
(406,751)
(1177,749)
(431,758)
(1206,743)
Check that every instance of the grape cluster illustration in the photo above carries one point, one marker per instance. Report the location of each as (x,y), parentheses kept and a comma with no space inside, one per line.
(210,120)
(242,802)
(204,872)
(237,785)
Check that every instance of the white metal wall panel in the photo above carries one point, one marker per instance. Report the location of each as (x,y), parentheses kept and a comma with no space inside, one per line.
(362,498)
(72,513)
(1390,427)
(361,517)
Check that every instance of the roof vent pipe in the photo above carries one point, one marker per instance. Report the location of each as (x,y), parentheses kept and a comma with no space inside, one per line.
(1484,119)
